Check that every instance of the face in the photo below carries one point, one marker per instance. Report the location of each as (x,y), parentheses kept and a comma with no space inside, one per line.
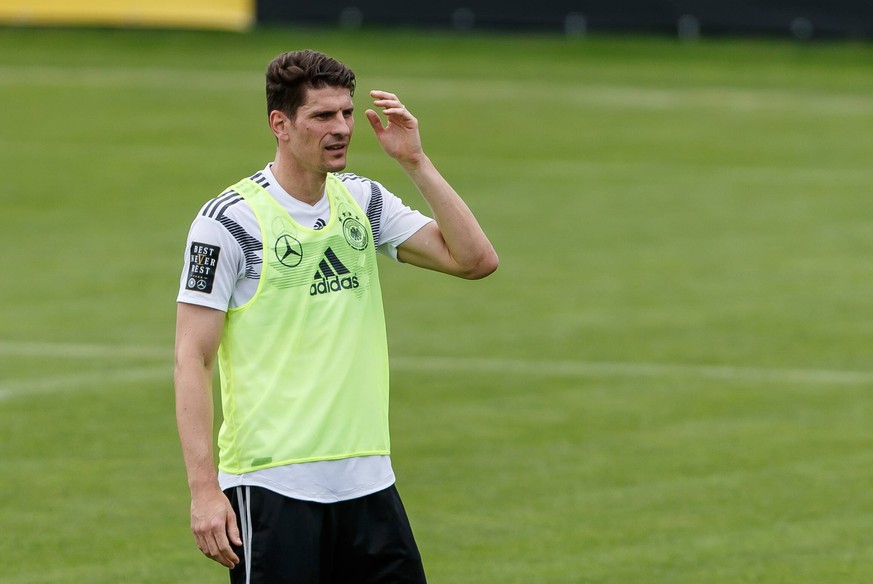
(318,136)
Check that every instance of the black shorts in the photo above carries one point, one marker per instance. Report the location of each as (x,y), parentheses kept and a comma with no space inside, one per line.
(362,541)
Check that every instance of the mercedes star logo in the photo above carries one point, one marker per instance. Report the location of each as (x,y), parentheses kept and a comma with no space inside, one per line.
(288,251)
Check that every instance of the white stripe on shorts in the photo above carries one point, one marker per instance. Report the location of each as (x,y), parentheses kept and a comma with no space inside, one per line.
(244,496)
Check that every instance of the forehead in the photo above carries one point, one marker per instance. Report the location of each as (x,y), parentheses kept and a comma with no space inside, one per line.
(327,98)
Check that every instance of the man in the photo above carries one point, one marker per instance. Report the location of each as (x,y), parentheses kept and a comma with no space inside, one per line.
(281,284)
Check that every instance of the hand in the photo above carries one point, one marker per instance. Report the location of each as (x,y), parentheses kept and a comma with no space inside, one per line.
(214,525)
(400,139)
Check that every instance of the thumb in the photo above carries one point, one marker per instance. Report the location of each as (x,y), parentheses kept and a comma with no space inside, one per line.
(374,120)
(232,529)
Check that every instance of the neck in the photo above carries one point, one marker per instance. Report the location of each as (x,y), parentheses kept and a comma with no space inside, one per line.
(303,185)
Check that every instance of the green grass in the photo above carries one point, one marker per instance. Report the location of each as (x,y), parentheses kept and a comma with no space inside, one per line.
(667,381)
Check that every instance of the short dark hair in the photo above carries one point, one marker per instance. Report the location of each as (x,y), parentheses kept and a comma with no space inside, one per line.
(291,74)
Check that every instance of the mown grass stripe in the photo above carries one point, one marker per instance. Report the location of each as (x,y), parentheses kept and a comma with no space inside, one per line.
(58,383)
(492,366)
(613,96)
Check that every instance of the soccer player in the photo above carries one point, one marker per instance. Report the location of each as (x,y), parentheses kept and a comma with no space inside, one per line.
(280,284)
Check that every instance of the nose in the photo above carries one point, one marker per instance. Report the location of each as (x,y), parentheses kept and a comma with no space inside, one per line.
(342,125)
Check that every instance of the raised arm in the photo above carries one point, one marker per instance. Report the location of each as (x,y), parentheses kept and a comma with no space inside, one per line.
(454,243)
(198,334)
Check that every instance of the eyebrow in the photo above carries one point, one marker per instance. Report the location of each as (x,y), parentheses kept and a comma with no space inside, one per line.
(332,111)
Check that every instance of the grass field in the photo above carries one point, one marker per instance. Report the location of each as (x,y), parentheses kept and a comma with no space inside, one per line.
(668,381)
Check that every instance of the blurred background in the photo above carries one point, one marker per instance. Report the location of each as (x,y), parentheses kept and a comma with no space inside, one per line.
(667,381)
(802,19)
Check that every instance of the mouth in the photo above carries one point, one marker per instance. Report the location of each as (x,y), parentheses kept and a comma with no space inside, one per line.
(337,147)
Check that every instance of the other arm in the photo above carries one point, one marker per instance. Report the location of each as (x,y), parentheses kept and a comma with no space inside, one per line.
(198,333)
(454,243)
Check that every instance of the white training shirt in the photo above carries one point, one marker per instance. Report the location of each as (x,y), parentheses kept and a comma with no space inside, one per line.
(228,225)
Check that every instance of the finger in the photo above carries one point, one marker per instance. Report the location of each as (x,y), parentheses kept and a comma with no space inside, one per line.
(399,110)
(221,552)
(210,548)
(214,544)
(379,94)
(229,558)
(375,121)
(201,545)
(388,102)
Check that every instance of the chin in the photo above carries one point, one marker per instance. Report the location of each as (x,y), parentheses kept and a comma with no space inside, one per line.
(336,165)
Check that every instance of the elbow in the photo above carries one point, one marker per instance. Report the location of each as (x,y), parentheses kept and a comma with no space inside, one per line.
(486,266)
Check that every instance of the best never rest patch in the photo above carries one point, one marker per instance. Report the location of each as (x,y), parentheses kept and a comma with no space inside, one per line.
(202,262)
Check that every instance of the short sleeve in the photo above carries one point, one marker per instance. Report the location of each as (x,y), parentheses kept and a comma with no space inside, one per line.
(398,223)
(213,264)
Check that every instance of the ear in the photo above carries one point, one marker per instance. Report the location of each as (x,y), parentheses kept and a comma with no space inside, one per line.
(280,125)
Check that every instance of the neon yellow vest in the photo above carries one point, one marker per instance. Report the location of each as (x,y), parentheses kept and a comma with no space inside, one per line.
(304,364)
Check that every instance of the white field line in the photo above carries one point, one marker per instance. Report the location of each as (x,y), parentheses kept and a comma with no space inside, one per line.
(81,350)
(116,77)
(77,379)
(59,383)
(593,369)
(526,367)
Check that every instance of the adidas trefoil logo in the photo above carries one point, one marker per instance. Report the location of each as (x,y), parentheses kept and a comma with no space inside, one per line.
(332,276)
